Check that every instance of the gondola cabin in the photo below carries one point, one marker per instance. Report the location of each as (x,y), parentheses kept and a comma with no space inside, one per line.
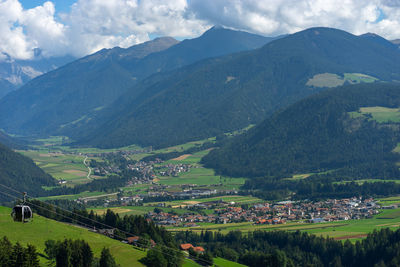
(22,213)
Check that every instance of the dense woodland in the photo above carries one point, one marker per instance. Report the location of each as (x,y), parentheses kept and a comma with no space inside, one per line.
(22,174)
(317,135)
(279,248)
(76,253)
(17,255)
(316,188)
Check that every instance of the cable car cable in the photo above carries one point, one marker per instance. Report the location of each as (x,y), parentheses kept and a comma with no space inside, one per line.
(163,252)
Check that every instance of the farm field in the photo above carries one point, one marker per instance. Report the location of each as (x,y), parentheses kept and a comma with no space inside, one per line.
(76,196)
(40,227)
(237,199)
(174,206)
(135,210)
(198,174)
(177,148)
(55,143)
(68,167)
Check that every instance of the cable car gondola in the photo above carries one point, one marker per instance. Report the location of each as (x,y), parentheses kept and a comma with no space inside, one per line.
(22,213)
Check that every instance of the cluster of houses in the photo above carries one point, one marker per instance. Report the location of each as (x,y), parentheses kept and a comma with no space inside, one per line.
(174,169)
(270,213)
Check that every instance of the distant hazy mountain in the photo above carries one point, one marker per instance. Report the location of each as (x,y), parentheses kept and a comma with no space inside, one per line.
(333,130)
(227,93)
(15,73)
(68,95)
(396,42)
(12,142)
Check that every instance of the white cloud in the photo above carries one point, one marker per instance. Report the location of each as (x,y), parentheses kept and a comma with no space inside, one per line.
(91,25)
(273,17)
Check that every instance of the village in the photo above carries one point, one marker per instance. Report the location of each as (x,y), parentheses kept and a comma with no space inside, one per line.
(268,213)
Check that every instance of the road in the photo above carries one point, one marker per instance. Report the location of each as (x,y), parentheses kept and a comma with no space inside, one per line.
(89,169)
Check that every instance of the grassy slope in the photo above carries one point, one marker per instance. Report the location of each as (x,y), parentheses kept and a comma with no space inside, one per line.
(42,229)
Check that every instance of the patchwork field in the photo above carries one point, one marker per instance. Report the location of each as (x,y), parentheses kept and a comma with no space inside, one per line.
(68,167)
(237,199)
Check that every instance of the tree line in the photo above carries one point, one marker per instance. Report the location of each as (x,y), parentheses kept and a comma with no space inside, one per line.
(283,248)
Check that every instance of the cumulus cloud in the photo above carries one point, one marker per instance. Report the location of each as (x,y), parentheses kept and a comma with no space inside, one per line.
(272,17)
(91,25)
(94,24)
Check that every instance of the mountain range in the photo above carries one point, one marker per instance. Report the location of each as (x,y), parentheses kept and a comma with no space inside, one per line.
(222,94)
(67,95)
(333,130)
(15,73)
(164,93)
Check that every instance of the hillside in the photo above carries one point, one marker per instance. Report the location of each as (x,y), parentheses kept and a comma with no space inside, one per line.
(58,100)
(352,130)
(68,93)
(21,173)
(42,229)
(12,142)
(228,93)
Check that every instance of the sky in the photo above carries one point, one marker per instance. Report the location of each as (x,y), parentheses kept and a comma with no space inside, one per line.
(81,27)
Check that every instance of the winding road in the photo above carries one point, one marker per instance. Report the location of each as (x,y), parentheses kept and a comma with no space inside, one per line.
(89,169)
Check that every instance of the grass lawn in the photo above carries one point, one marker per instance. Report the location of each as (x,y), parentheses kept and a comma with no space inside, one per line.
(42,229)
(226,263)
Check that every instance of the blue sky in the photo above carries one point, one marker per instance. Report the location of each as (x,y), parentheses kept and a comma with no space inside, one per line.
(61,5)
(95,24)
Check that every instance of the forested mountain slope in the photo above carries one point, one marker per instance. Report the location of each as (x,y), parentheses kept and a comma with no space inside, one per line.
(59,99)
(352,130)
(227,93)
(21,173)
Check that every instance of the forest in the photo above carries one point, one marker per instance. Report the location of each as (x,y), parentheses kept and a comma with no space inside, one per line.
(282,248)
(318,135)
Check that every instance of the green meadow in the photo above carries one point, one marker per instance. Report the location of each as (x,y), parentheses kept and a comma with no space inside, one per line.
(234,198)
(69,167)
(334,80)
(42,229)
(379,114)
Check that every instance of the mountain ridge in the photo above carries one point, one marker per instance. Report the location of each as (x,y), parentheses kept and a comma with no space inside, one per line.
(67,95)
(318,134)
(219,95)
